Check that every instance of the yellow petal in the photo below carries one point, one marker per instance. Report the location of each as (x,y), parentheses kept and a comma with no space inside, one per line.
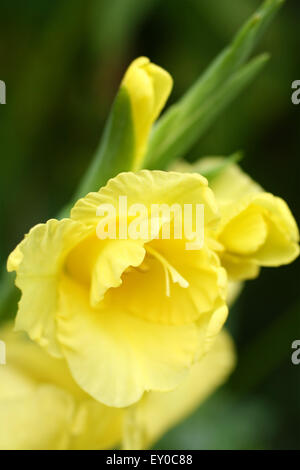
(282,243)
(238,268)
(209,326)
(279,249)
(101,263)
(231,183)
(256,228)
(115,356)
(33,365)
(228,185)
(234,290)
(245,233)
(260,228)
(39,420)
(273,242)
(40,257)
(148,187)
(158,412)
(102,428)
(112,261)
(148,87)
(15,258)
(14,384)
(34,414)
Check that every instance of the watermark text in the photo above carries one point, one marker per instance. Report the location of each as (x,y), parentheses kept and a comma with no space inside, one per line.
(2,92)
(159,221)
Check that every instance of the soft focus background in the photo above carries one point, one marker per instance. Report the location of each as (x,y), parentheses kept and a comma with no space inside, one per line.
(62,62)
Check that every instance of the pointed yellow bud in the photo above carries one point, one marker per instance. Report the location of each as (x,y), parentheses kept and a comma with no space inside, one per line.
(148,87)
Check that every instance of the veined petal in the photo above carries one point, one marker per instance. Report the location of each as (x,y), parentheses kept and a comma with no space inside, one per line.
(115,356)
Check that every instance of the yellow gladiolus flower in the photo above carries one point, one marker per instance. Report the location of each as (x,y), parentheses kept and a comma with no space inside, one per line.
(256,228)
(41,407)
(148,87)
(128,315)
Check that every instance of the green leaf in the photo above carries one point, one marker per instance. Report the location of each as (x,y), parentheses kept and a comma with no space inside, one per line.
(186,121)
(177,142)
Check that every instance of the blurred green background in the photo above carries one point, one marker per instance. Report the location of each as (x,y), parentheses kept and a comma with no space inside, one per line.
(62,62)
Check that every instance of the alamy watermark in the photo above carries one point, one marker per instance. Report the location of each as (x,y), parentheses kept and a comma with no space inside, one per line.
(2,353)
(2,92)
(296,354)
(158,221)
(296,94)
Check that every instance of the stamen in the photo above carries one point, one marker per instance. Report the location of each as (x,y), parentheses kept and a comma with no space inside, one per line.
(168,290)
(169,271)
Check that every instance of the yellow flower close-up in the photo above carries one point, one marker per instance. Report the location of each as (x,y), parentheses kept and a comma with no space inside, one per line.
(129,316)
(140,239)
